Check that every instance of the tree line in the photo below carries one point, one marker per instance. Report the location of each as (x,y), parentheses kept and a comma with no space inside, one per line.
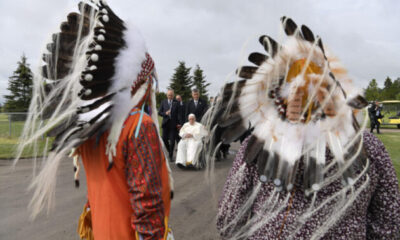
(182,82)
(390,90)
(20,85)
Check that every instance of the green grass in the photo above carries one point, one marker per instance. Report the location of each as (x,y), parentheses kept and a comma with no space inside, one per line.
(16,129)
(8,144)
(392,144)
(8,147)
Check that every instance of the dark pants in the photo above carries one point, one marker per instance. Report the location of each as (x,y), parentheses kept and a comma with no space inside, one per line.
(375,123)
(178,138)
(168,136)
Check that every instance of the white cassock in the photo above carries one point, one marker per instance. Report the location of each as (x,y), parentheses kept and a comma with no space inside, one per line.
(188,148)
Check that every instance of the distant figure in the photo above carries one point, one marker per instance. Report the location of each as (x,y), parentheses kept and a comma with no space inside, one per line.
(375,113)
(192,134)
(182,115)
(211,100)
(169,110)
(197,106)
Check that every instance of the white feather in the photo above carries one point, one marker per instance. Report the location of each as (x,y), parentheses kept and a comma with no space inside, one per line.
(123,104)
(128,65)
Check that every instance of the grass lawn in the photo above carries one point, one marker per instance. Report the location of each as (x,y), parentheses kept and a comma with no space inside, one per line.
(8,144)
(392,144)
(8,147)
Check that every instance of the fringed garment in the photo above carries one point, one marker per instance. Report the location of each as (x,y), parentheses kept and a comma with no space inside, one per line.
(375,214)
(133,197)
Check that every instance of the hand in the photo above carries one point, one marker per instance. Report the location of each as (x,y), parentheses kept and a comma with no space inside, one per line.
(168,112)
(188,135)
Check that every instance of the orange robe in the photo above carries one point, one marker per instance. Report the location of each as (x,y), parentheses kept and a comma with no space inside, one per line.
(134,196)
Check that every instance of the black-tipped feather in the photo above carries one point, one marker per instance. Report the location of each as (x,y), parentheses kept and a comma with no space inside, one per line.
(272,165)
(233,132)
(291,176)
(62,127)
(254,146)
(94,91)
(269,44)
(94,128)
(257,58)
(289,26)
(307,34)
(321,46)
(96,104)
(247,71)
(230,89)
(262,158)
(280,175)
(357,102)
(230,119)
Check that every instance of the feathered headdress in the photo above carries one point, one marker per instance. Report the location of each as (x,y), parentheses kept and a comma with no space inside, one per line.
(96,70)
(300,101)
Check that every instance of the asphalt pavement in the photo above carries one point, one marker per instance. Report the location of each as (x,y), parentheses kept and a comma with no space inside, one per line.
(192,216)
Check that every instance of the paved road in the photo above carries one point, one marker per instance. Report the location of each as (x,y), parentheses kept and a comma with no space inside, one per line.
(387,130)
(192,214)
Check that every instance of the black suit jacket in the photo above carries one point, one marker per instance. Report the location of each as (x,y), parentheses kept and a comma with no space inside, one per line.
(197,111)
(169,121)
(182,112)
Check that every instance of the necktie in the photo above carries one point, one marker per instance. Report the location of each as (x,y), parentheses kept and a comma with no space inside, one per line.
(195,104)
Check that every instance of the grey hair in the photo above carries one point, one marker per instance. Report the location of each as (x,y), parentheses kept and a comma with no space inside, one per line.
(190,115)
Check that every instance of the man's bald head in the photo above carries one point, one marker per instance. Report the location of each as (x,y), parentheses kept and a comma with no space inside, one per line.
(170,94)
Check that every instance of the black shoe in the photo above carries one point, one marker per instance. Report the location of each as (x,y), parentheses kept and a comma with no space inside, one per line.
(180,165)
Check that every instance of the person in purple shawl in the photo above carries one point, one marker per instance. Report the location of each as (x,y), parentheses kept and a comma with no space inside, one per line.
(309,170)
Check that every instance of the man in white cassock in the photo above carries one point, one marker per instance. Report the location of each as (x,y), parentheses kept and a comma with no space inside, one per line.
(192,134)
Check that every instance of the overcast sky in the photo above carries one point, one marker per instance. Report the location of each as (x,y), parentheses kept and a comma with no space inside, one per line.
(364,34)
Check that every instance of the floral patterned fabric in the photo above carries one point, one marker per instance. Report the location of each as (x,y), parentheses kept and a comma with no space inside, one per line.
(374,214)
(144,159)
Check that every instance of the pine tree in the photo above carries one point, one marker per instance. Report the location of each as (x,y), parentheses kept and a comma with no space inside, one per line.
(160,96)
(396,87)
(181,81)
(200,82)
(372,92)
(20,88)
(389,90)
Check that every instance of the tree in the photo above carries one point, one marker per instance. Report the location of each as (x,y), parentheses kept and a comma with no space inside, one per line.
(397,96)
(200,82)
(181,81)
(388,91)
(372,92)
(20,88)
(396,89)
(159,97)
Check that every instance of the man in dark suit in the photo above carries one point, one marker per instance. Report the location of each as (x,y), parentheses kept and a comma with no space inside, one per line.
(182,115)
(197,106)
(169,110)
(375,113)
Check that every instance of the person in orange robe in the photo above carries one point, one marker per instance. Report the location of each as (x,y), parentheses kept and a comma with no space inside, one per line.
(132,199)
